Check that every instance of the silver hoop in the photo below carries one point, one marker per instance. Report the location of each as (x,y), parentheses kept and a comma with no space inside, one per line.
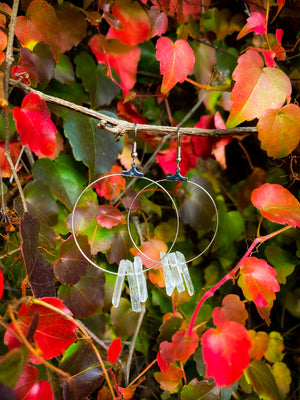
(159,184)
(124,174)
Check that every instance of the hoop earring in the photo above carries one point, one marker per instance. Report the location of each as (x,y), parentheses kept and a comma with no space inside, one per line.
(134,271)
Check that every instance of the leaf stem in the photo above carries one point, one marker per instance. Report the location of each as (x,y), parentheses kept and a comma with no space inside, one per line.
(208,88)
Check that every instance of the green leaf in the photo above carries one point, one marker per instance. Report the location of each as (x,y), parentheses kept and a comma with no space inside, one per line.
(226,61)
(64,176)
(82,364)
(12,364)
(86,297)
(95,80)
(64,72)
(169,328)
(203,390)
(123,319)
(262,380)
(282,260)
(97,148)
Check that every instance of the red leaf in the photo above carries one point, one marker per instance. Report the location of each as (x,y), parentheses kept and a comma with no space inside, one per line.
(1,284)
(109,216)
(54,333)
(158,21)
(258,282)
(256,89)
(128,112)
(123,58)
(176,61)
(233,309)
(114,350)
(279,130)
(277,204)
(34,124)
(111,187)
(134,20)
(256,23)
(184,346)
(14,149)
(165,356)
(29,388)
(226,352)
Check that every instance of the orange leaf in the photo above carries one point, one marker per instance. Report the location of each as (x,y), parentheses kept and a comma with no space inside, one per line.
(256,89)
(152,249)
(279,130)
(14,149)
(233,309)
(259,344)
(258,282)
(171,380)
(277,204)
(111,187)
(176,61)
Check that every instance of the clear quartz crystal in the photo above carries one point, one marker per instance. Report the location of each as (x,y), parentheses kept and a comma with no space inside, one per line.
(119,283)
(133,287)
(185,273)
(177,273)
(141,280)
(168,274)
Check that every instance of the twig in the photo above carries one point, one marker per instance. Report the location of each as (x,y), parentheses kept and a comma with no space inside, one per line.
(132,344)
(120,127)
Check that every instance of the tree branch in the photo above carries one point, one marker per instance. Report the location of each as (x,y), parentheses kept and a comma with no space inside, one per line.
(120,127)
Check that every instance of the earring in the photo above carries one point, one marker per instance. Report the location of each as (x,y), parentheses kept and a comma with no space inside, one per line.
(132,270)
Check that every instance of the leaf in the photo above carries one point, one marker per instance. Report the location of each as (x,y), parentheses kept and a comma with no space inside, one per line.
(71,265)
(12,364)
(135,25)
(233,309)
(158,22)
(253,181)
(82,364)
(256,23)
(222,22)
(259,344)
(64,176)
(39,271)
(274,352)
(111,187)
(14,150)
(7,393)
(97,148)
(171,380)
(278,130)
(120,246)
(256,89)
(110,216)
(101,88)
(54,333)
(34,124)
(282,376)
(64,72)
(1,284)
(283,261)
(86,297)
(176,61)
(122,57)
(226,352)
(152,249)
(114,350)
(202,390)
(262,380)
(29,388)
(123,319)
(277,204)
(258,282)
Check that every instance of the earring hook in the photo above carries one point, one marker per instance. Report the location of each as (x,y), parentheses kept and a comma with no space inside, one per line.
(134,154)
(177,176)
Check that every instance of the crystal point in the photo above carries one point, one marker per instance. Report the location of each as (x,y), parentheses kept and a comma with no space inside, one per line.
(133,287)
(185,273)
(168,274)
(119,283)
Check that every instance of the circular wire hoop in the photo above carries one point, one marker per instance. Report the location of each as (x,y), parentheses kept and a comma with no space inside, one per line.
(152,182)
(159,184)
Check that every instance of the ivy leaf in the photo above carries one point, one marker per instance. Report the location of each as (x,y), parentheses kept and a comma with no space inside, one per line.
(277,204)
(256,23)
(256,89)
(151,248)
(176,61)
(71,265)
(97,148)
(224,347)
(171,380)
(112,187)
(258,282)
(282,376)
(1,284)
(34,125)
(123,319)
(14,150)
(122,57)
(158,22)
(278,130)
(261,378)
(30,388)
(135,24)
(259,344)
(283,261)
(202,390)
(233,309)
(110,216)
(12,365)
(54,333)
(86,297)
(275,348)
(114,350)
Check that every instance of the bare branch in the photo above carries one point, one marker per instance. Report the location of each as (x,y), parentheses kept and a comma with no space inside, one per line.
(120,127)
